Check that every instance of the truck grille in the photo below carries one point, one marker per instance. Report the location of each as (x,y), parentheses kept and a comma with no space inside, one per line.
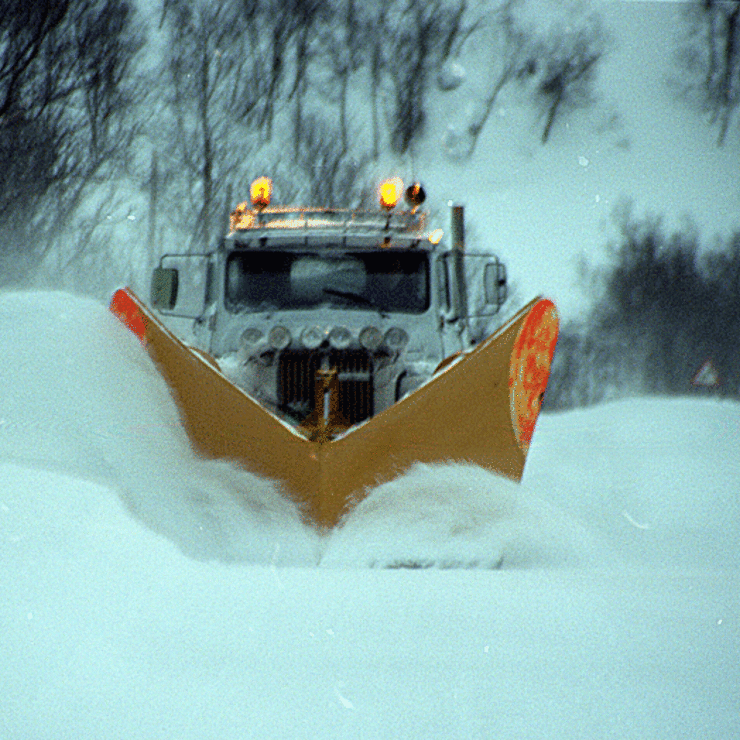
(297,372)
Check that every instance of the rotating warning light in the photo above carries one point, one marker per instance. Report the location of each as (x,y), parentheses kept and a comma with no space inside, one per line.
(260,192)
(390,192)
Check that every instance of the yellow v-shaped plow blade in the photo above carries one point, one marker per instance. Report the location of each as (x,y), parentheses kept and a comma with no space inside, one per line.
(481,407)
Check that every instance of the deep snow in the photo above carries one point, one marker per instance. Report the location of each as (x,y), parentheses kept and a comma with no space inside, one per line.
(150,594)
(146,593)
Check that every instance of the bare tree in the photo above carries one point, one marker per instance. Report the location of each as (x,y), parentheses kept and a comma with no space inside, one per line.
(516,52)
(568,66)
(230,66)
(722,61)
(207,53)
(102,110)
(303,16)
(332,174)
(64,118)
(378,54)
(279,34)
(28,133)
(425,34)
(345,44)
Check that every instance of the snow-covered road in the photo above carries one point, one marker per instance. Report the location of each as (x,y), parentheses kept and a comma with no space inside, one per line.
(148,594)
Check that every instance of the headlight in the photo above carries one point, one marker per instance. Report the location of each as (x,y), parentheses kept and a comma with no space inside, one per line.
(250,337)
(279,337)
(370,338)
(396,339)
(312,337)
(340,337)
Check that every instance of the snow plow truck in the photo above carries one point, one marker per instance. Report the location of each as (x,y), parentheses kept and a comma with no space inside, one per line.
(331,349)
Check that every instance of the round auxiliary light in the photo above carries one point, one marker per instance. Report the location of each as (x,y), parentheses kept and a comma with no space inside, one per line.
(279,337)
(396,339)
(250,337)
(370,338)
(260,192)
(415,194)
(312,337)
(340,337)
(390,192)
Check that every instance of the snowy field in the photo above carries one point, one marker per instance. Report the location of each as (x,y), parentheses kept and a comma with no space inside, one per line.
(149,594)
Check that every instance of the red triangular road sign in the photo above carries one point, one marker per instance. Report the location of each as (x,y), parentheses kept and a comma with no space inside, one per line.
(706,376)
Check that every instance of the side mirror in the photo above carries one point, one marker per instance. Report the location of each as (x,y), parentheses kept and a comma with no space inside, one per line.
(164,288)
(494,281)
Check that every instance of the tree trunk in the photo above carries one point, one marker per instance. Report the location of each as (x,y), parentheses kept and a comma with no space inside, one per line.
(475,130)
(207,151)
(730,54)
(153,202)
(343,109)
(557,99)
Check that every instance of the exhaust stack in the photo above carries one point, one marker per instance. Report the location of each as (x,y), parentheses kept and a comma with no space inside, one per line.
(457,235)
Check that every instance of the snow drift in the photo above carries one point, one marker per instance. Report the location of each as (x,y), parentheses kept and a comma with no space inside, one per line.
(146,594)
(82,398)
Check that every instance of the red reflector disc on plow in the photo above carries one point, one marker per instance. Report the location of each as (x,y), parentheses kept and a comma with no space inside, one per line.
(128,313)
(529,369)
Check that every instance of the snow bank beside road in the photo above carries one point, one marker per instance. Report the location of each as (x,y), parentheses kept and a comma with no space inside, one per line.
(82,398)
(110,630)
(659,478)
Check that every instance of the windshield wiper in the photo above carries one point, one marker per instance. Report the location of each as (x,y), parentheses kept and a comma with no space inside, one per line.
(357,298)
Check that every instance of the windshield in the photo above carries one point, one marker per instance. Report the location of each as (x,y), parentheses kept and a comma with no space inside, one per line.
(389,281)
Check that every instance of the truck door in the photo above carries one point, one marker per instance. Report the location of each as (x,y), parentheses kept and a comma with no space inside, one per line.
(487,290)
(470,295)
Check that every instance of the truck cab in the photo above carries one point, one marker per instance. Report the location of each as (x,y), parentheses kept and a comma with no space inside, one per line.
(372,299)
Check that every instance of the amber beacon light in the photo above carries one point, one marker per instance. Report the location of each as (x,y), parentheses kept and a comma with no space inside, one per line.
(390,192)
(415,195)
(260,192)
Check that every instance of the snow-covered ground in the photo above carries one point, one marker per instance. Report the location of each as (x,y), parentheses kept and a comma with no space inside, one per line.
(146,593)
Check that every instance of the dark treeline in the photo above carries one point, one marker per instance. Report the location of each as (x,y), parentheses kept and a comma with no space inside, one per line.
(65,123)
(666,307)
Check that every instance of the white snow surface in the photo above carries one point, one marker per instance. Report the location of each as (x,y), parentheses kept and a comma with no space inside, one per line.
(147,593)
